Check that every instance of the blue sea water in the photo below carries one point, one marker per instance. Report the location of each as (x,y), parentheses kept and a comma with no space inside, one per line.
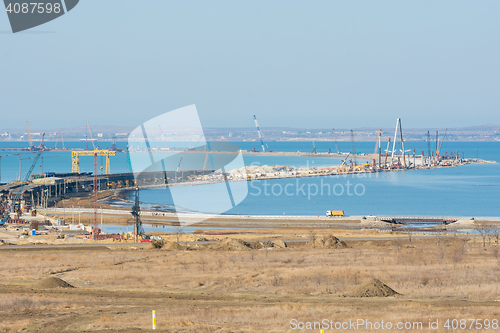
(471,190)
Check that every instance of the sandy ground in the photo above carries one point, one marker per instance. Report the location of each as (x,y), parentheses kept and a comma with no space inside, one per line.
(247,281)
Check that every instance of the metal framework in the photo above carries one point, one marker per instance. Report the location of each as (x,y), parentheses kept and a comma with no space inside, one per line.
(75,158)
(260,134)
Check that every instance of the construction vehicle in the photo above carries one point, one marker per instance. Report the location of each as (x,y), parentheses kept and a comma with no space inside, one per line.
(20,191)
(362,167)
(343,162)
(331,213)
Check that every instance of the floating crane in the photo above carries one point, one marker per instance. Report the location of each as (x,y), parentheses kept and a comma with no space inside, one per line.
(314,149)
(260,134)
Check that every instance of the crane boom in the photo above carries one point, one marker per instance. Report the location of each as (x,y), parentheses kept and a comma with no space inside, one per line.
(353,148)
(441,143)
(62,139)
(402,143)
(260,134)
(335,139)
(178,167)
(29,135)
(90,132)
(162,138)
(429,143)
(377,142)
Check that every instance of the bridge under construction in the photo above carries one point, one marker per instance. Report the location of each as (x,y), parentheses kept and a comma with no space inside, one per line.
(45,192)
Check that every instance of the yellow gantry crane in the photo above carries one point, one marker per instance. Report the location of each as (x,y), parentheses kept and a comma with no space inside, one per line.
(75,158)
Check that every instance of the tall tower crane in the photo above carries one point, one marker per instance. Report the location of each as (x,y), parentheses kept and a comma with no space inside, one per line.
(260,134)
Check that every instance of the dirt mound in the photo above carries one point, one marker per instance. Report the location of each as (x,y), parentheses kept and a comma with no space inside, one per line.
(329,242)
(372,288)
(173,246)
(279,244)
(232,245)
(53,282)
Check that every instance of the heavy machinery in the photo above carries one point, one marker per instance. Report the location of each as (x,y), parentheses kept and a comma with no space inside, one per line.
(331,213)
(343,162)
(20,190)
(362,167)
(136,212)
(314,151)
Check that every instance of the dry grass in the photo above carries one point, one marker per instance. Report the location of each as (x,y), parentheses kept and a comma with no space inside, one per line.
(302,283)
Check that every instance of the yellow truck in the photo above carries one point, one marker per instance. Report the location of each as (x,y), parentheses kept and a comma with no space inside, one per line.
(330,213)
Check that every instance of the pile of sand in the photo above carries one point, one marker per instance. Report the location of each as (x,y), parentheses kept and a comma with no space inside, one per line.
(372,288)
(329,242)
(232,245)
(173,246)
(277,244)
(53,282)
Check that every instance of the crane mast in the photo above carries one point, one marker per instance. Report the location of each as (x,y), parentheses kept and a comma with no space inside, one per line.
(260,134)
(335,139)
(429,143)
(353,148)
(29,135)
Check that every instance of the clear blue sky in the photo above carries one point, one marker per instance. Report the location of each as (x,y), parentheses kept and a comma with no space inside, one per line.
(293,63)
